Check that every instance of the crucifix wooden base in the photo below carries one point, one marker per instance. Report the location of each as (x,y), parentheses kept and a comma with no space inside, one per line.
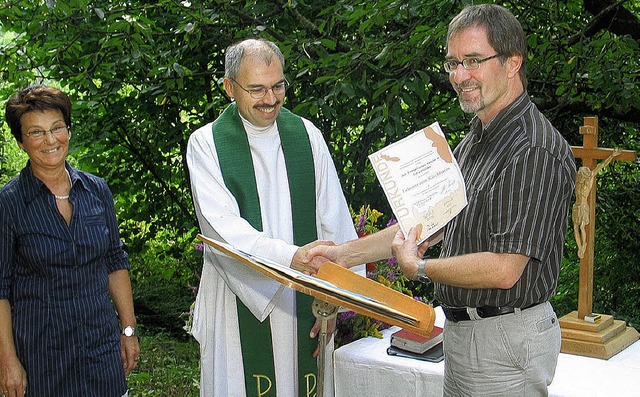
(601,339)
(585,333)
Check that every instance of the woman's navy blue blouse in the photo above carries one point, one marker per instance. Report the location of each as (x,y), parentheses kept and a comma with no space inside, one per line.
(55,277)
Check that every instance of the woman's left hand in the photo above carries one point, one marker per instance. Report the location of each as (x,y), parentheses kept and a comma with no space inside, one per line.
(13,380)
(129,352)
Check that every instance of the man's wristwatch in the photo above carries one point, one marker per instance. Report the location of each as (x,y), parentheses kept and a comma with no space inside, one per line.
(422,276)
(128,331)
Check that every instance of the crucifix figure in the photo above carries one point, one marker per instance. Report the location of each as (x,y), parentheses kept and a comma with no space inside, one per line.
(584,211)
(585,179)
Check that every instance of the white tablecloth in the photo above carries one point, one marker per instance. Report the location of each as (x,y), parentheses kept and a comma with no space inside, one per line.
(363,368)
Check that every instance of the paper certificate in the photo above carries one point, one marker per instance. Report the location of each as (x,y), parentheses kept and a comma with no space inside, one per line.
(421,180)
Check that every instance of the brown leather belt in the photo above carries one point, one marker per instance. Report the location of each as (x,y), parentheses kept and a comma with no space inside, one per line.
(456,314)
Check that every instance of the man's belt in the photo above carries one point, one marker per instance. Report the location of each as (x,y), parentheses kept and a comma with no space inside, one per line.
(456,314)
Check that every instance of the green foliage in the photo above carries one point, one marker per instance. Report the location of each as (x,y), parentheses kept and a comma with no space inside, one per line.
(616,269)
(11,158)
(352,326)
(167,368)
(164,286)
(162,306)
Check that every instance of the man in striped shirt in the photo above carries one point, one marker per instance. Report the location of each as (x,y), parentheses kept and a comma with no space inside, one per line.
(501,255)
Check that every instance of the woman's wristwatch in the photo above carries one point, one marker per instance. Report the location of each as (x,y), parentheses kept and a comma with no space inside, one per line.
(128,331)
(422,276)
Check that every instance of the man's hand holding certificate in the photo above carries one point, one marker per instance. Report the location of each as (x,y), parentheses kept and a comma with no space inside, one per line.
(421,180)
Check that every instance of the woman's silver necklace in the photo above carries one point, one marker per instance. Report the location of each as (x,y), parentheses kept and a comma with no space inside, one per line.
(65,197)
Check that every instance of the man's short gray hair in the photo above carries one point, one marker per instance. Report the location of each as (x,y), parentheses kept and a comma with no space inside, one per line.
(260,48)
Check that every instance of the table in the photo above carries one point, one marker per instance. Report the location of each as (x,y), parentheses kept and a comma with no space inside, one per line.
(363,368)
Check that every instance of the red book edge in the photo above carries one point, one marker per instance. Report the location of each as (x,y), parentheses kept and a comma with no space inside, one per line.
(412,336)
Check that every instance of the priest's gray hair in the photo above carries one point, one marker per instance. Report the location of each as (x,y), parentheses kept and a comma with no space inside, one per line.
(260,48)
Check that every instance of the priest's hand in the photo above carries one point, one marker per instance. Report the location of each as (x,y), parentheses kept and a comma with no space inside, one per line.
(309,265)
(321,253)
(315,332)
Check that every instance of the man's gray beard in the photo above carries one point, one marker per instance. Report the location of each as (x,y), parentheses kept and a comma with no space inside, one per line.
(471,106)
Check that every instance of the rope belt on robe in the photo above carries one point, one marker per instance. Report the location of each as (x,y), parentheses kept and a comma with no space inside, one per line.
(236,164)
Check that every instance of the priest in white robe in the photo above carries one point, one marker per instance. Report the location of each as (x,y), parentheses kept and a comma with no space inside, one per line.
(255,82)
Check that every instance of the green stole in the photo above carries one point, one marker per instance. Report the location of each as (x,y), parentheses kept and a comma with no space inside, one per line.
(236,164)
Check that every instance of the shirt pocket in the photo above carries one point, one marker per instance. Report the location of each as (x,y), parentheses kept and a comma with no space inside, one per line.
(96,237)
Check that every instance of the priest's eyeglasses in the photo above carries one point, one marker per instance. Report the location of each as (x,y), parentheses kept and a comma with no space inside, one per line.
(467,63)
(38,135)
(260,92)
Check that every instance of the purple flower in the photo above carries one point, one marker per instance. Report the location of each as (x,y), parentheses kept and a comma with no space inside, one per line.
(198,247)
(391,275)
(362,220)
(344,316)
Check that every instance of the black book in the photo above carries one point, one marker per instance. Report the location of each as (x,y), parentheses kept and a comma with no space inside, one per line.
(434,355)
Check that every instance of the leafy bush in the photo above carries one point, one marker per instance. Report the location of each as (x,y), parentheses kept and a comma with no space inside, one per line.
(162,306)
(167,368)
(164,286)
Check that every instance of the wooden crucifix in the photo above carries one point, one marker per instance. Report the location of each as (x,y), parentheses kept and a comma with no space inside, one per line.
(590,153)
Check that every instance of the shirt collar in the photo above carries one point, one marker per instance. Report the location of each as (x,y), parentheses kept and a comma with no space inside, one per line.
(32,187)
(500,120)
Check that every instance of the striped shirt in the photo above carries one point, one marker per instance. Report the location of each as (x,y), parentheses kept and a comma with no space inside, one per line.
(520,176)
(55,277)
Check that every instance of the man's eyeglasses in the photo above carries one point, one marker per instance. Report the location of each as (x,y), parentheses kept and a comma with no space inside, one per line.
(257,93)
(467,63)
(38,135)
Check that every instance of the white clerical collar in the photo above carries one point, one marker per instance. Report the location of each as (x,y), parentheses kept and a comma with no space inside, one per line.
(258,131)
